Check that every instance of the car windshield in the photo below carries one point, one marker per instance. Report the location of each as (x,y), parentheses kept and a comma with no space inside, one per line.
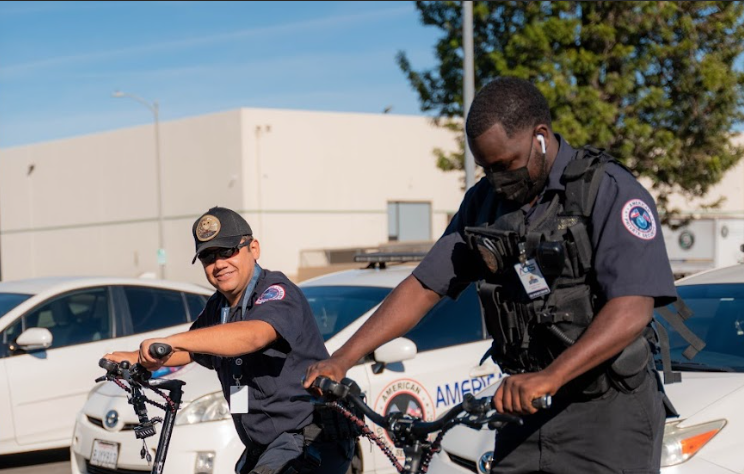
(9,301)
(718,319)
(335,307)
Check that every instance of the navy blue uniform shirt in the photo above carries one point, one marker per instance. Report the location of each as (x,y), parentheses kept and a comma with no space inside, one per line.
(274,373)
(630,257)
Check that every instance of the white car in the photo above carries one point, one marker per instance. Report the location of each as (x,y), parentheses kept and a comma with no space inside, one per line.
(707,437)
(53,331)
(424,373)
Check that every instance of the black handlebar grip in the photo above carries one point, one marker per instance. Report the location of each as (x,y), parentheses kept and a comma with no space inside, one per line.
(109,365)
(543,402)
(159,350)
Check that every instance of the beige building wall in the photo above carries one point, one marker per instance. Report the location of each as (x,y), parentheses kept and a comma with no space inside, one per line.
(325,179)
(713,237)
(730,188)
(304,180)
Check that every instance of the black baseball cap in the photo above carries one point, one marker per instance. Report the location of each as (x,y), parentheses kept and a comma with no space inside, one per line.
(219,227)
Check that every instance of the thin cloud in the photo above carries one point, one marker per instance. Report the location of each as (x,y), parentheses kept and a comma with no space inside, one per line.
(36,8)
(294,28)
(267,67)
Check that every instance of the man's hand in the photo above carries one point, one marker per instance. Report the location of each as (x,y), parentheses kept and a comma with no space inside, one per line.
(148,361)
(516,392)
(129,356)
(331,368)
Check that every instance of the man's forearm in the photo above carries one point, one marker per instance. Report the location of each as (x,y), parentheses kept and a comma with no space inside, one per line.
(397,314)
(178,359)
(225,340)
(618,324)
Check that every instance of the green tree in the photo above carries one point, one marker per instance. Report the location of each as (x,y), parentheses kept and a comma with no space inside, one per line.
(654,83)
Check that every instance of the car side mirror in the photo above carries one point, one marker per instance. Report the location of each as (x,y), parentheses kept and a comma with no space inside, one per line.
(33,339)
(397,350)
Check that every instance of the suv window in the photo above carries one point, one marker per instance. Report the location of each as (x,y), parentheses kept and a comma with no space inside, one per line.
(449,323)
(75,318)
(153,309)
(9,335)
(718,319)
(9,301)
(335,307)
(195,304)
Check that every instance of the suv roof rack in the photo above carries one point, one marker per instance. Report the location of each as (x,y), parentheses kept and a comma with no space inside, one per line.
(381,259)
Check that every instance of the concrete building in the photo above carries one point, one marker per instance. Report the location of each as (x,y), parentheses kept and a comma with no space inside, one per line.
(714,237)
(307,182)
(303,180)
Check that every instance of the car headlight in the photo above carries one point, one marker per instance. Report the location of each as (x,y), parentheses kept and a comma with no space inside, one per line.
(680,444)
(212,407)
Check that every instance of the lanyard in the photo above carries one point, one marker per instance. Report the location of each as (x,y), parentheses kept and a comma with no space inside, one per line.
(238,362)
(225,313)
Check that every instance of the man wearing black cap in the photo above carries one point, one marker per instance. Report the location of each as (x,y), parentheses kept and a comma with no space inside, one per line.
(258,333)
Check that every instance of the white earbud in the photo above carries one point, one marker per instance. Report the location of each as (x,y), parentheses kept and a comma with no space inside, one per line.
(541,139)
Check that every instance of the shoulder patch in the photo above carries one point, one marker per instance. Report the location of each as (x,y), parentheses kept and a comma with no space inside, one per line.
(638,219)
(274,292)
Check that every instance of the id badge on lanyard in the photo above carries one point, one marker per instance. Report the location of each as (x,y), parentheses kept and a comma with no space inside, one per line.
(239,393)
(530,275)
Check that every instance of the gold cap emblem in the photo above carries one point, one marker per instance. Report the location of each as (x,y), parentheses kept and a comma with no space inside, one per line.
(207,228)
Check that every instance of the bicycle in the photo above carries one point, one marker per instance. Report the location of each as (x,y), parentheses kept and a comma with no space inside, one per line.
(411,434)
(138,379)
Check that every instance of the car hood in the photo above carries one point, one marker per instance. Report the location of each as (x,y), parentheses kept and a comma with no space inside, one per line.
(700,390)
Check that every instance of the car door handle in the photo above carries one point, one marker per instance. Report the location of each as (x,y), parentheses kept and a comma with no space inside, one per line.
(486,369)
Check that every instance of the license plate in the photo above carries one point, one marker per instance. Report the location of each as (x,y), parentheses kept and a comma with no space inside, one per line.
(105,454)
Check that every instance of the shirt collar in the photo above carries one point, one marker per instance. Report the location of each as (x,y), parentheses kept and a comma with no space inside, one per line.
(565,154)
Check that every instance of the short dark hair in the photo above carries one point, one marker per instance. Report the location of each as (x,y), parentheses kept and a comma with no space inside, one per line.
(513,102)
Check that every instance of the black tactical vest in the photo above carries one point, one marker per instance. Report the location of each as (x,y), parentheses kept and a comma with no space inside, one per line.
(530,332)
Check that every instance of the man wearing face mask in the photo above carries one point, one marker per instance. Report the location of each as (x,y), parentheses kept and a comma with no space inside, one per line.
(566,252)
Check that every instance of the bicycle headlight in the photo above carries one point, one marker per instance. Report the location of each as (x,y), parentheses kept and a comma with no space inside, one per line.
(212,407)
(680,444)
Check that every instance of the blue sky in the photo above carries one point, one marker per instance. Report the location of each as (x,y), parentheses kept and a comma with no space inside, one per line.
(61,61)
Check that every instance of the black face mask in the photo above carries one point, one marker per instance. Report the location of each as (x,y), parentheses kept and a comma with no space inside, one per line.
(517,185)
(513,185)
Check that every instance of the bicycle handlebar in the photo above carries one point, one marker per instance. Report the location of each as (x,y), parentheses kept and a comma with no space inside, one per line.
(124,370)
(138,378)
(477,409)
(408,432)
(159,350)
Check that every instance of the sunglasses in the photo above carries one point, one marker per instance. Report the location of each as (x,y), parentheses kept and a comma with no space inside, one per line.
(210,256)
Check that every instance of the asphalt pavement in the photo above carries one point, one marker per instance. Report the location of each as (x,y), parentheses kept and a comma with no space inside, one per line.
(43,462)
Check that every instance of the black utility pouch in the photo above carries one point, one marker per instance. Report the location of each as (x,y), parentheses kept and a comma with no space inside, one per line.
(498,248)
(628,369)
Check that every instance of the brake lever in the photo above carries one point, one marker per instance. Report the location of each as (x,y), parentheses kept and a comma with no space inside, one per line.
(111,367)
(498,420)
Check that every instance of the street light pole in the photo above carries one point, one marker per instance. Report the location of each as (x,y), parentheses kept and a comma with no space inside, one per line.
(468,86)
(155,109)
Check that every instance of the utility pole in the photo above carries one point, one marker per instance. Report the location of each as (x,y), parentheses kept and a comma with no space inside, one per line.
(468,86)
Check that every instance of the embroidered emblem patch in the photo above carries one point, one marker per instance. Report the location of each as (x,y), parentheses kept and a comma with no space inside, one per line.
(207,228)
(639,220)
(274,292)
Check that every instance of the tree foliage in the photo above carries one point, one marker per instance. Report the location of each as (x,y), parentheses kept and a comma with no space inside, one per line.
(653,82)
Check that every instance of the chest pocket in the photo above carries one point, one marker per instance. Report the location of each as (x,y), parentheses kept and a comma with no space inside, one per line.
(265,372)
